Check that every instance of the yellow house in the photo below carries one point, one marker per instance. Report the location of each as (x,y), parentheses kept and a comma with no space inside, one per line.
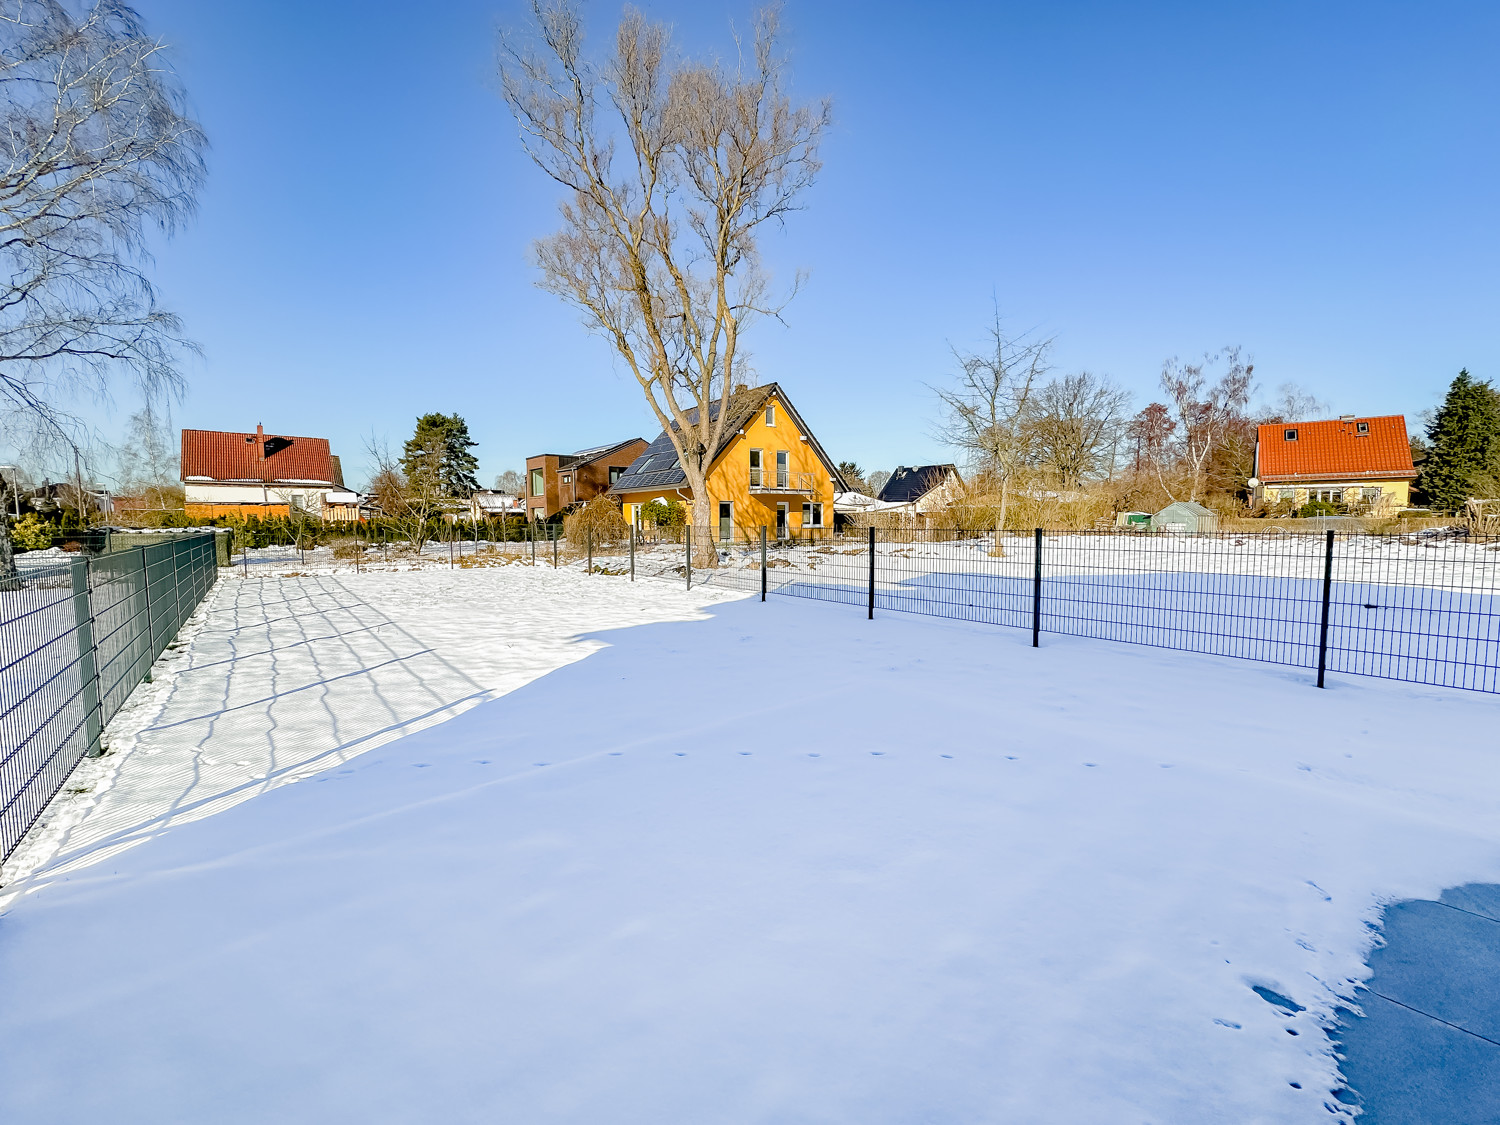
(769,471)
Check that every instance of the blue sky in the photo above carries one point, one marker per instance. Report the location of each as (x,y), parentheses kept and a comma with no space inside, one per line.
(1313,181)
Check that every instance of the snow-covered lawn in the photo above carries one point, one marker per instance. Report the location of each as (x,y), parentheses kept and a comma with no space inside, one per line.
(778,864)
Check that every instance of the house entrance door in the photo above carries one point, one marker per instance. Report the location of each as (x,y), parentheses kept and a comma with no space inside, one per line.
(726,522)
(780,521)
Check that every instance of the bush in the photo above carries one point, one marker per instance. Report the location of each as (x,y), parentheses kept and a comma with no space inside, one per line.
(670,514)
(1317,508)
(30,533)
(599,521)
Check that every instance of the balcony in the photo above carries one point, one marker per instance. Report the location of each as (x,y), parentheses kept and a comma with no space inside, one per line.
(780,482)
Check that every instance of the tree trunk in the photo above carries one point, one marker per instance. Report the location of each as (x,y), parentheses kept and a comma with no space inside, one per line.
(10,578)
(705,533)
(1004,498)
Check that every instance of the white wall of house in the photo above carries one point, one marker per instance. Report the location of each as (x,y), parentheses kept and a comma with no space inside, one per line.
(311,495)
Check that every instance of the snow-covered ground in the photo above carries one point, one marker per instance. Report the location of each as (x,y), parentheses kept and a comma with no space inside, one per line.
(278,676)
(775,864)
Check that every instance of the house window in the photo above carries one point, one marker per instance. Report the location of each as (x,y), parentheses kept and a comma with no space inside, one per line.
(1287,494)
(615,473)
(1361,427)
(771,414)
(536,482)
(1289,435)
(567,478)
(781,467)
(1326,495)
(812,515)
(726,521)
(755,469)
(1370,496)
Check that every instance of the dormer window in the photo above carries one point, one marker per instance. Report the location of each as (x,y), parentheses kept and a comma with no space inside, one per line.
(1289,435)
(1361,427)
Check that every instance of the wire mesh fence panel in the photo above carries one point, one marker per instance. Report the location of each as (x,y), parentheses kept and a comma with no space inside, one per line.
(76,637)
(42,712)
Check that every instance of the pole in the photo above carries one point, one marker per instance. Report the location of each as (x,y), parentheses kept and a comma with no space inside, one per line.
(554,548)
(687,539)
(872,574)
(88,669)
(588,536)
(1327,596)
(150,628)
(762,562)
(1036,594)
(632,552)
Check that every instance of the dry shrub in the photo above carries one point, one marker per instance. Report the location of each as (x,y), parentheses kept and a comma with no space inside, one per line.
(348,549)
(598,522)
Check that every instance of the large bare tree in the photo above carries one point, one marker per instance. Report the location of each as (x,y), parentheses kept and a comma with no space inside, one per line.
(1077,421)
(989,408)
(96,151)
(671,168)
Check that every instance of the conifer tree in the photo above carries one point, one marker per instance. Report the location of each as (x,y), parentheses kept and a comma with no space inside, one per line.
(440,449)
(1464,441)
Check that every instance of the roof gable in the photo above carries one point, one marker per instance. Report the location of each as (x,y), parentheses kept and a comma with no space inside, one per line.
(222,455)
(908,484)
(658,466)
(1348,447)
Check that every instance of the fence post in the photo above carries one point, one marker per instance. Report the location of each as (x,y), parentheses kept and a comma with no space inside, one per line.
(554,548)
(762,562)
(687,539)
(872,573)
(1036,594)
(588,536)
(632,552)
(88,671)
(150,627)
(1327,596)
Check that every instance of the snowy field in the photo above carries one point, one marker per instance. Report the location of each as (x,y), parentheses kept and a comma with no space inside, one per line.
(717,861)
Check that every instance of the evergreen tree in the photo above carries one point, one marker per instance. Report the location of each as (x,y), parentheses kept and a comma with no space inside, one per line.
(1464,444)
(437,455)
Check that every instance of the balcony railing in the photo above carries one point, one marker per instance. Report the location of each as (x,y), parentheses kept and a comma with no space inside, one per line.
(782,481)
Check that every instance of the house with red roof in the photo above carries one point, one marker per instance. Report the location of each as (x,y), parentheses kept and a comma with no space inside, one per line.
(1359,464)
(261,474)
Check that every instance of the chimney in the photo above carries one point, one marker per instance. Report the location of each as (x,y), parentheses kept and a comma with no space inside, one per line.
(260,442)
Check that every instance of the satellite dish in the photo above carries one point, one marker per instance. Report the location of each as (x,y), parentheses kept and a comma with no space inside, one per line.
(1253,482)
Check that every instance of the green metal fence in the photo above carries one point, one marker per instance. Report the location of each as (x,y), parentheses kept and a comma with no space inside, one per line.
(77,636)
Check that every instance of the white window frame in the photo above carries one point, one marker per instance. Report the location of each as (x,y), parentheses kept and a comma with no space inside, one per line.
(538,482)
(771,415)
(812,514)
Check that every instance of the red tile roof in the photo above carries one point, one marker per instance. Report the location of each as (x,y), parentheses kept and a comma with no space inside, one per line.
(222,456)
(1335,450)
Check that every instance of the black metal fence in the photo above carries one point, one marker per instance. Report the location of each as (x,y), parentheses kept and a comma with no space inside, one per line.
(76,636)
(1421,608)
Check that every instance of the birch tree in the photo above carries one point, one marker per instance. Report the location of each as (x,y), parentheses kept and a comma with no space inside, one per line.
(670,169)
(96,152)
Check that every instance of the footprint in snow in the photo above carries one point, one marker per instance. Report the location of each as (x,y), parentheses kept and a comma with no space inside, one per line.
(877,753)
(815,755)
(744,753)
(945,755)
(1010,757)
(681,753)
(1228,1023)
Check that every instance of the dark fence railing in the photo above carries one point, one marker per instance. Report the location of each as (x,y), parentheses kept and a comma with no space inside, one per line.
(76,637)
(1421,608)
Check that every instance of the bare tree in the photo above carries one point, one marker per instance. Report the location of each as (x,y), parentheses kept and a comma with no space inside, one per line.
(510,481)
(1076,423)
(1180,438)
(989,410)
(671,169)
(876,481)
(410,500)
(95,150)
(1294,404)
(148,463)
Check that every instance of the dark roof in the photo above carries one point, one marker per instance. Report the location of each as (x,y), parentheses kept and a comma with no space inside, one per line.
(225,456)
(910,484)
(1335,449)
(658,466)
